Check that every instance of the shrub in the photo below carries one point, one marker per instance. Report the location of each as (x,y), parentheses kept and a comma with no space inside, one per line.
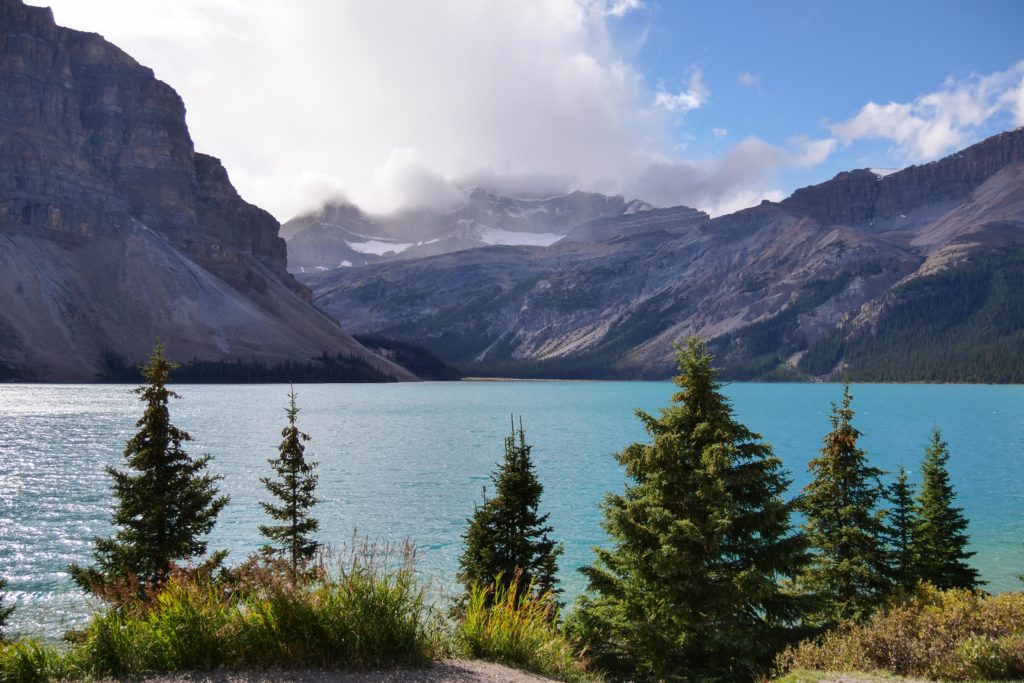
(516,627)
(950,635)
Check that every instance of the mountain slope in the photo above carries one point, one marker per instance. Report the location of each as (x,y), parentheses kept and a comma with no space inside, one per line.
(114,232)
(764,285)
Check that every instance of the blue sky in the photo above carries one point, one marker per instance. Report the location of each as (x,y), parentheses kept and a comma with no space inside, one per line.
(717,105)
(778,70)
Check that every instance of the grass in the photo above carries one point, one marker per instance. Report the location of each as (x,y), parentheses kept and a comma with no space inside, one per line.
(512,626)
(368,613)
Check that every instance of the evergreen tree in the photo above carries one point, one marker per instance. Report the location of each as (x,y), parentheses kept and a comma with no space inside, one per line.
(903,522)
(701,544)
(849,569)
(506,536)
(940,535)
(165,502)
(5,611)
(294,487)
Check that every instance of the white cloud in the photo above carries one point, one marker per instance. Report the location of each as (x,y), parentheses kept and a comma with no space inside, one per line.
(812,152)
(694,97)
(298,96)
(749,80)
(719,132)
(619,8)
(939,122)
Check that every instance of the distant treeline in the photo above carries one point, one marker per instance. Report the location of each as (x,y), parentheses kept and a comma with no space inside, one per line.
(964,324)
(325,368)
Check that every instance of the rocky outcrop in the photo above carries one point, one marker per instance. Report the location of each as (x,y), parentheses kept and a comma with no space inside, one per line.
(114,231)
(764,285)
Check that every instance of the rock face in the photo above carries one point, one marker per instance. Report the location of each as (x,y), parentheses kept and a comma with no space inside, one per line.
(340,235)
(765,285)
(114,231)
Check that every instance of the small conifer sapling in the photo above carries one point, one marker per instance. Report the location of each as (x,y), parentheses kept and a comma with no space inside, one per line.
(507,537)
(294,487)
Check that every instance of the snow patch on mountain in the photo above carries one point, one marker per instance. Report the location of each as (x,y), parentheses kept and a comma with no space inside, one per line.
(510,238)
(378,248)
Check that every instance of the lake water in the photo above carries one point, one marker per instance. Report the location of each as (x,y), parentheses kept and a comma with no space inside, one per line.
(404,461)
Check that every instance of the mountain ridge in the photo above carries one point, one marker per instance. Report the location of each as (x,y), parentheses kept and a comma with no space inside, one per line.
(764,285)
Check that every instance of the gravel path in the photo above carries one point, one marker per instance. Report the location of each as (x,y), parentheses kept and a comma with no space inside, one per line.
(461,670)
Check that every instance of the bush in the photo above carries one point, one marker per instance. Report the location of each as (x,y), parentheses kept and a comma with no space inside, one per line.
(504,624)
(949,635)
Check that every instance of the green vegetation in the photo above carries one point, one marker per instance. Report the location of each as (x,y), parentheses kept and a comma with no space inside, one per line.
(506,537)
(963,324)
(163,509)
(948,635)
(5,610)
(700,543)
(849,569)
(902,525)
(940,538)
(325,368)
(505,624)
(294,488)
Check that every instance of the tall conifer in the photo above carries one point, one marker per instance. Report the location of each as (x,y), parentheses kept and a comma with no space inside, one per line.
(701,541)
(506,535)
(165,501)
(940,535)
(902,524)
(849,570)
(294,488)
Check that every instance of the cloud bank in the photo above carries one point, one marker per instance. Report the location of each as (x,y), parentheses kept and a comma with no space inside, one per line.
(392,103)
(942,121)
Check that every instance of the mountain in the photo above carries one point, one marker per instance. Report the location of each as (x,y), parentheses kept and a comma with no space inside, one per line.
(114,232)
(905,275)
(340,235)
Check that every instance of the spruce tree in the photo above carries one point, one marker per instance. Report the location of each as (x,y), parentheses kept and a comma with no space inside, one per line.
(165,502)
(701,544)
(294,487)
(902,524)
(849,570)
(506,537)
(940,536)
(5,611)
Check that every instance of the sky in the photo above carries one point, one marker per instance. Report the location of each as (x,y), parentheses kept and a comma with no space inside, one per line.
(716,105)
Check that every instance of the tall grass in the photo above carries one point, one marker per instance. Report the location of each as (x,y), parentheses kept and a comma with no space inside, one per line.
(948,635)
(366,613)
(515,627)
(29,661)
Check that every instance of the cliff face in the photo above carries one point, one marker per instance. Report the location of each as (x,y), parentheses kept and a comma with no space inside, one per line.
(112,227)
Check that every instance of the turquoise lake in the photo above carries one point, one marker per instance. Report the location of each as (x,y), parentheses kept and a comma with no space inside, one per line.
(409,460)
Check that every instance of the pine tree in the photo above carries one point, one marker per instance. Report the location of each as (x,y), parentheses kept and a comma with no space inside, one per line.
(902,525)
(5,611)
(849,569)
(506,536)
(165,501)
(294,487)
(701,544)
(940,535)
